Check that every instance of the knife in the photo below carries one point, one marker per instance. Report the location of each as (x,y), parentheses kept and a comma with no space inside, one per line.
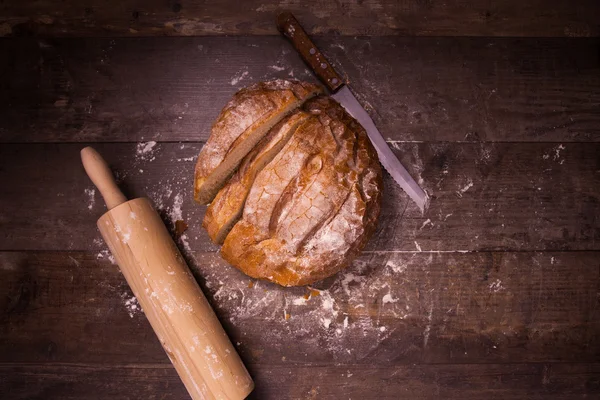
(289,26)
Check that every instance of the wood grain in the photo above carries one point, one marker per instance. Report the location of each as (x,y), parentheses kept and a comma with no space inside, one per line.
(493,106)
(416,89)
(348,17)
(485,196)
(173,303)
(280,382)
(387,309)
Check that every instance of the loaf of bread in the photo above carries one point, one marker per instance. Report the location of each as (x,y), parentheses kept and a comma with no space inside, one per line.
(303,202)
(244,121)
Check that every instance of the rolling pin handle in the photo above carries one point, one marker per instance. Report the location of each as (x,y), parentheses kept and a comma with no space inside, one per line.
(100,174)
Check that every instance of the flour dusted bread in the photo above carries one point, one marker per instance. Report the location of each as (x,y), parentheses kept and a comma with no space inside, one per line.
(244,121)
(311,209)
(293,182)
(227,206)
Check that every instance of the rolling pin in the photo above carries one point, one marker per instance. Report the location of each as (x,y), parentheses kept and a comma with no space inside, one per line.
(170,297)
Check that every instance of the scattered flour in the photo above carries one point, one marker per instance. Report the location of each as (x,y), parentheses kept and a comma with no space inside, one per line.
(91,194)
(395,267)
(77,264)
(123,234)
(388,299)
(427,330)
(496,286)
(238,77)
(300,301)
(395,144)
(316,316)
(468,186)
(145,150)
(276,68)
(106,254)
(175,212)
(428,222)
(184,241)
(555,153)
(131,304)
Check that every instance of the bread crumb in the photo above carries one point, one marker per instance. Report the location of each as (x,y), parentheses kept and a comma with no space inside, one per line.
(300,301)
(180,227)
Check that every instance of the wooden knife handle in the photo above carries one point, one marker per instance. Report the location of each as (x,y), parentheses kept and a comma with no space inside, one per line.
(291,29)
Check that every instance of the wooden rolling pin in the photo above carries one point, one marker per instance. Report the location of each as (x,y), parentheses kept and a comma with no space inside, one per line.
(182,318)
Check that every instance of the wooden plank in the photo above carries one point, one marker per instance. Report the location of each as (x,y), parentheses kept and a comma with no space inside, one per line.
(485,196)
(370,17)
(386,309)
(473,381)
(423,89)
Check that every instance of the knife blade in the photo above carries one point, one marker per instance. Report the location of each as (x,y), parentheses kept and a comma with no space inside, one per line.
(290,27)
(387,158)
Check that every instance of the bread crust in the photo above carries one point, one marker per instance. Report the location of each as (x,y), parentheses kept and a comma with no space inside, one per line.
(241,124)
(312,209)
(228,204)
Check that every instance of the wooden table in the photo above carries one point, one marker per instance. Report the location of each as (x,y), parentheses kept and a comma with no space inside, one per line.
(493,293)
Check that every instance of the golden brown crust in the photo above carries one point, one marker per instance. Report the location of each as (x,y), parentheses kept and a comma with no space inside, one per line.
(313,207)
(243,121)
(227,206)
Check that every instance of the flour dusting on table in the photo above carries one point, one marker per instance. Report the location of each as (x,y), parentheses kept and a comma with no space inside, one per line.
(347,316)
(131,304)
(145,150)
(91,194)
(347,319)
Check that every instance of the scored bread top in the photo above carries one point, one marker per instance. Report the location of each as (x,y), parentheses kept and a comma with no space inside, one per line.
(313,207)
(241,124)
(227,206)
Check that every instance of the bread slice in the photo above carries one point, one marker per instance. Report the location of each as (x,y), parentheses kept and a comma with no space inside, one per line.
(226,208)
(244,121)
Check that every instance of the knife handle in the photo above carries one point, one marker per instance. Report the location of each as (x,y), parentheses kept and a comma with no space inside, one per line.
(289,26)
